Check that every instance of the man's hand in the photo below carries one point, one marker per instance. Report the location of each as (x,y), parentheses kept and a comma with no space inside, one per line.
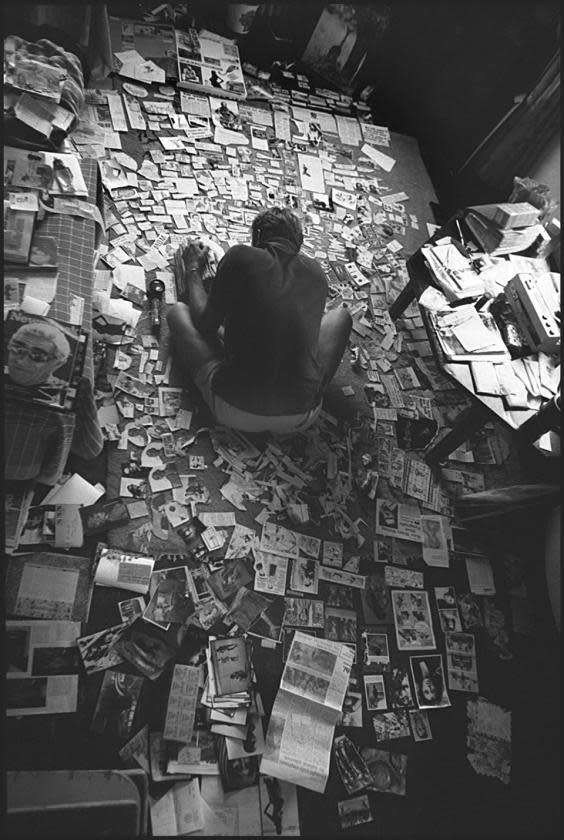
(195,257)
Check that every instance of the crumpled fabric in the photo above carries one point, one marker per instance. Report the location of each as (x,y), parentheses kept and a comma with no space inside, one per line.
(72,96)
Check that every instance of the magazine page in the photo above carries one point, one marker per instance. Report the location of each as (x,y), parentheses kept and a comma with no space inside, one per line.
(42,667)
(43,358)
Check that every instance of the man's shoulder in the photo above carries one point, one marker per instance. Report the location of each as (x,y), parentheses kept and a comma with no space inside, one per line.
(312,267)
(244,253)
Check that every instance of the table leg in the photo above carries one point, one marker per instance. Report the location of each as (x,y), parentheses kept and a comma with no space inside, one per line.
(468,422)
(400,304)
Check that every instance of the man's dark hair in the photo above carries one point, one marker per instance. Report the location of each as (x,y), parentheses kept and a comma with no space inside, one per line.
(277,223)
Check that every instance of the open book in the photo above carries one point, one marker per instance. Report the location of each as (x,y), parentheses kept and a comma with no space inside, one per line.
(306,709)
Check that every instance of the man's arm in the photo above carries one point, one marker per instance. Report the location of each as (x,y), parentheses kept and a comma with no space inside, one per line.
(206,316)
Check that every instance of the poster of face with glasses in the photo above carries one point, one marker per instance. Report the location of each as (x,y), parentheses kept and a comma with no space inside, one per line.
(42,357)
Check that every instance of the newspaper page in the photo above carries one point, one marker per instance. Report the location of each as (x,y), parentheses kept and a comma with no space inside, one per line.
(42,667)
(181,708)
(306,709)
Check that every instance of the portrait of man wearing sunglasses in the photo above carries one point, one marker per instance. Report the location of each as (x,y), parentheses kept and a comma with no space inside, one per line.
(35,352)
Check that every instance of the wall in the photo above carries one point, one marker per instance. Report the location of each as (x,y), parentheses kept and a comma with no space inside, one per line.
(547,169)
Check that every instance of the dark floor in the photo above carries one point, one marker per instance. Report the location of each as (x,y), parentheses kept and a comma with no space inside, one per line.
(445,798)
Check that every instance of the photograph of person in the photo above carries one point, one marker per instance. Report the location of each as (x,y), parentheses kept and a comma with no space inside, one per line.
(191,73)
(429,681)
(35,351)
(375,692)
(388,515)
(376,651)
(304,576)
(420,726)
(450,621)
(445,597)
(432,532)
(399,688)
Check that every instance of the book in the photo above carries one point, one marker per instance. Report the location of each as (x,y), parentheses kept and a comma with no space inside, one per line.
(453,328)
(49,586)
(208,63)
(231,665)
(44,359)
(497,240)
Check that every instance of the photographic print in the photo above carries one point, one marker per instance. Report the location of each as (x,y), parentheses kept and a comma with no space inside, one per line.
(189,72)
(412,619)
(242,542)
(169,401)
(97,650)
(445,597)
(375,692)
(450,621)
(389,770)
(470,612)
(399,689)
(391,725)
(269,623)
(276,539)
(429,681)
(304,576)
(463,681)
(309,545)
(420,726)
(460,643)
(340,625)
(332,554)
(131,608)
(376,650)
(375,599)
(55,661)
(116,705)
(226,581)
(353,771)
(335,595)
(355,811)
(304,612)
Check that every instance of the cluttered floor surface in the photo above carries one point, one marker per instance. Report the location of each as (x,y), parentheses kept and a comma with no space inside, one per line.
(446,722)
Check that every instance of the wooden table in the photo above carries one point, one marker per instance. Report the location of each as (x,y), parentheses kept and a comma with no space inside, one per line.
(471,420)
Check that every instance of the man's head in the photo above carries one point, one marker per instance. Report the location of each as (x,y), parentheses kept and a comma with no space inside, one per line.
(35,351)
(277,223)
